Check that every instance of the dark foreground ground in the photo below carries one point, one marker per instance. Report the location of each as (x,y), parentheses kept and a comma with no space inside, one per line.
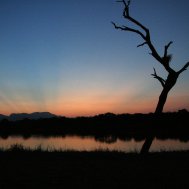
(26,169)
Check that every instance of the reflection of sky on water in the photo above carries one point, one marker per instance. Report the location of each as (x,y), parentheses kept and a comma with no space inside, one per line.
(169,145)
(89,143)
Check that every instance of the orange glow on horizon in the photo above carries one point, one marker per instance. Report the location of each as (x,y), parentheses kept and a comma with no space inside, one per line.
(90,106)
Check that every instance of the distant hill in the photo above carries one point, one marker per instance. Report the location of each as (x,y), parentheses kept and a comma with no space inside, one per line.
(102,117)
(21,116)
(3,117)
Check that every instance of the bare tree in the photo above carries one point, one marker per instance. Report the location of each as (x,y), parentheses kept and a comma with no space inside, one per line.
(164,60)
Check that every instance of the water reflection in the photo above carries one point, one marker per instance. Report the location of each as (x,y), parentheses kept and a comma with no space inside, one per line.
(91,143)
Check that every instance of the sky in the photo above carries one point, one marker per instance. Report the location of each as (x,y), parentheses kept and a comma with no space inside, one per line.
(65,57)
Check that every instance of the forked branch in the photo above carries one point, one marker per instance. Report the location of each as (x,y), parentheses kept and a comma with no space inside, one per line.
(160,79)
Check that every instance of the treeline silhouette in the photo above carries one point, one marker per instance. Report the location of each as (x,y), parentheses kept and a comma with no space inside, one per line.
(104,127)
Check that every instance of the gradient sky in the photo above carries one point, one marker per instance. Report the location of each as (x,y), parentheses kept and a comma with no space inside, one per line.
(65,57)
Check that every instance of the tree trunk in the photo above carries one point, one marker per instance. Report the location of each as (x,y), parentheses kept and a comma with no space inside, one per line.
(170,82)
(159,109)
(146,146)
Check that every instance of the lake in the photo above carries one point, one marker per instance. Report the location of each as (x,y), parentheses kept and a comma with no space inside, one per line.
(91,143)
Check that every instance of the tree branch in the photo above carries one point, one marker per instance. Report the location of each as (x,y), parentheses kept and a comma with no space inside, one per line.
(166,48)
(184,68)
(124,2)
(142,44)
(126,5)
(138,24)
(145,34)
(127,16)
(125,28)
(160,79)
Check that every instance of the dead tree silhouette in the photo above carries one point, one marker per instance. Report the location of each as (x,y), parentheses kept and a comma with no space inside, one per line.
(164,60)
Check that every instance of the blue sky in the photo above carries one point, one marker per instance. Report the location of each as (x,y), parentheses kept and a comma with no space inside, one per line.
(65,56)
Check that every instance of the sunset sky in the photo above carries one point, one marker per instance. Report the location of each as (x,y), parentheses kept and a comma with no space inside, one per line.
(65,57)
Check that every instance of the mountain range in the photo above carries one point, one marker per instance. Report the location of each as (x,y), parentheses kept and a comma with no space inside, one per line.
(21,116)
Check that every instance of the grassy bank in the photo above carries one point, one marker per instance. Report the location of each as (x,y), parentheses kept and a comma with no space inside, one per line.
(98,169)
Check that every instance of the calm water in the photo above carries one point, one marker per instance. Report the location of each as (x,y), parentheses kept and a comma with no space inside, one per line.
(89,143)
